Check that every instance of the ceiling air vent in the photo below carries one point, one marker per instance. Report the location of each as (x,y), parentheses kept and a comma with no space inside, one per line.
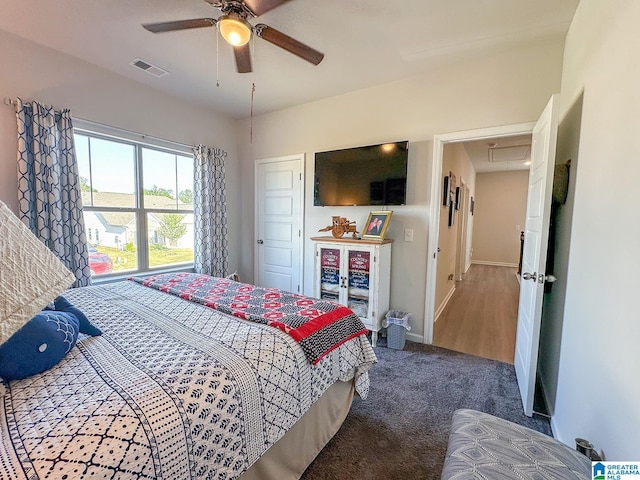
(147,67)
(513,153)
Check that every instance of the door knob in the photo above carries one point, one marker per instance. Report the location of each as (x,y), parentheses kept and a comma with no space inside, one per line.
(260,242)
(530,276)
(546,278)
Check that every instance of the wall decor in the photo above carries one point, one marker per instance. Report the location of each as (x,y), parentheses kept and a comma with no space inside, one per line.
(452,214)
(446,195)
(377,224)
(472,205)
(458,199)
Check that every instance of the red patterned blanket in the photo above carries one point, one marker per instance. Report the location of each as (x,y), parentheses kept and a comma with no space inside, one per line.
(318,326)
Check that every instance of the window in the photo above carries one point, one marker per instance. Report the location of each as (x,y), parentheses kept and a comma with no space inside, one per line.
(138,204)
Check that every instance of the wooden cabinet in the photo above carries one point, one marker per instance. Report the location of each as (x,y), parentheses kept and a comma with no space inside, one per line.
(355,273)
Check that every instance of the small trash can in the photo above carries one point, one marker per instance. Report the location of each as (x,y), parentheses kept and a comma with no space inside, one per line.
(397,324)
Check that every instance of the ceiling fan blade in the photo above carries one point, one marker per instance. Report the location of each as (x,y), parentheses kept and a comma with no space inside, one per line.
(289,44)
(180,25)
(243,58)
(258,7)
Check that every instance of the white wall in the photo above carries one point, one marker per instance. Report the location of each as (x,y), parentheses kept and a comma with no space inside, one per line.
(598,389)
(499,216)
(33,72)
(509,87)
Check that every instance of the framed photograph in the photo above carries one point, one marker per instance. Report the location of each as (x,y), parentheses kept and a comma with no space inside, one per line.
(452,214)
(446,194)
(377,224)
(473,204)
(458,199)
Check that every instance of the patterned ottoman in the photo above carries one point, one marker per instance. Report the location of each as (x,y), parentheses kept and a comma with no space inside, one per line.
(486,447)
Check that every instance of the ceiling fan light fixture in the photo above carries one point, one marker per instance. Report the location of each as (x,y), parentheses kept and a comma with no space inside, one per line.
(235,30)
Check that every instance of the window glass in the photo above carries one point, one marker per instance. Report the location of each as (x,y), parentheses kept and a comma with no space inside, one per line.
(116,225)
(112,242)
(112,173)
(170,238)
(168,180)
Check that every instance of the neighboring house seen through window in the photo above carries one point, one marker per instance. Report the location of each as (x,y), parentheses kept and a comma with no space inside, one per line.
(138,204)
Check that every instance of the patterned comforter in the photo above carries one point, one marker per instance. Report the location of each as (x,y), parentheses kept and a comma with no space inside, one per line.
(171,390)
(317,325)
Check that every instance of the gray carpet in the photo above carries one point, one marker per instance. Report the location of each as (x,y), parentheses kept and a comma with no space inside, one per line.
(401,430)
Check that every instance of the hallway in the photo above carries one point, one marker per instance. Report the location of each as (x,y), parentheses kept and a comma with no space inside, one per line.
(481,316)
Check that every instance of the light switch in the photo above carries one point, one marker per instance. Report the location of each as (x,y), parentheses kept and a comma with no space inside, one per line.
(408,235)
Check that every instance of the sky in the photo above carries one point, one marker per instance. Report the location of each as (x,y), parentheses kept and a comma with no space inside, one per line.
(113,166)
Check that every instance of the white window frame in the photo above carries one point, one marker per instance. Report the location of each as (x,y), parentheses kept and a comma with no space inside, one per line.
(138,141)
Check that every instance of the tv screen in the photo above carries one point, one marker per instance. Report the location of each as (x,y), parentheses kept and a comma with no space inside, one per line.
(371,175)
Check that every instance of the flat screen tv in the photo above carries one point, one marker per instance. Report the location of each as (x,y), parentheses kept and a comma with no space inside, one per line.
(371,175)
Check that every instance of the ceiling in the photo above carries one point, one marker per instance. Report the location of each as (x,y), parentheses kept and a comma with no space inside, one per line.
(365,42)
(500,154)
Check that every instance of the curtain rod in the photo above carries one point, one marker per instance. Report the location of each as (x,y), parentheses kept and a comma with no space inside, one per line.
(16,102)
(142,135)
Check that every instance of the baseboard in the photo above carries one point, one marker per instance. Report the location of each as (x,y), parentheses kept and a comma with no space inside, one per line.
(414,337)
(554,427)
(495,264)
(444,303)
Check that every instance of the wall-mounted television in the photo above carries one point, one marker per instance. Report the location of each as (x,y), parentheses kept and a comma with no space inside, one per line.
(370,175)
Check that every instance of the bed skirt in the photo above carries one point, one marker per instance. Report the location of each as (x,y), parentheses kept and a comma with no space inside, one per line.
(289,457)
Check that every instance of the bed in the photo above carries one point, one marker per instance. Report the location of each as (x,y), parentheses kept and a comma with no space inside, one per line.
(179,385)
(176,389)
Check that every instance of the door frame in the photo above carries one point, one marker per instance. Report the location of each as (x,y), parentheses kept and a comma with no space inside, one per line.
(434,210)
(461,237)
(300,157)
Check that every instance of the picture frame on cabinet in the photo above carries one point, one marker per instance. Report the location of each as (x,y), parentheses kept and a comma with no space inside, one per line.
(377,224)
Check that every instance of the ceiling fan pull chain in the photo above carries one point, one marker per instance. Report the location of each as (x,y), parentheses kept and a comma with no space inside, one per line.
(217,58)
(253,89)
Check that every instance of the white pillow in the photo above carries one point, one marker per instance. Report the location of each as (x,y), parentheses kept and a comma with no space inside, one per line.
(31,275)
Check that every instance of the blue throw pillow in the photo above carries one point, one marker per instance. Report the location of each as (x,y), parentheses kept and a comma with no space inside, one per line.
(61,304)
(39,345)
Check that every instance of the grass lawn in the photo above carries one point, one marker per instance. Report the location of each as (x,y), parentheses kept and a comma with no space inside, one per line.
(128,261)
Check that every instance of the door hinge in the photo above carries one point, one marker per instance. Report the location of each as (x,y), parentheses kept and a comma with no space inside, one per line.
(298,288)
(299,233)
(300,176)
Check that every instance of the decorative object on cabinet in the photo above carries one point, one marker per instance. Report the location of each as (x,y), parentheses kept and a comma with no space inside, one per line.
(357,274)
(377,224)
(339,226)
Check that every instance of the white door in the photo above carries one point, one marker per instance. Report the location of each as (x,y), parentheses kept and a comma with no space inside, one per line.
(543,149)
(279,211)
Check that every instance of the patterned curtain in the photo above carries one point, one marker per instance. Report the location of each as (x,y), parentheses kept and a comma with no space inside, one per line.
(49,196)
(210,211)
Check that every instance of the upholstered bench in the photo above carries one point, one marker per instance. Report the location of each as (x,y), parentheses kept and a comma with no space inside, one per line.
(482,446)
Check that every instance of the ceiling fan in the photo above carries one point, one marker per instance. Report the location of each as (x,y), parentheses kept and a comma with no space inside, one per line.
(236,30)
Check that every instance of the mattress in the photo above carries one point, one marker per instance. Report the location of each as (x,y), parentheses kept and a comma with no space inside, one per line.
(172,389)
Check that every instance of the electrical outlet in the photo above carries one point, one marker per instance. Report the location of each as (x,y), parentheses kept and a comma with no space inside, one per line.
(408,235)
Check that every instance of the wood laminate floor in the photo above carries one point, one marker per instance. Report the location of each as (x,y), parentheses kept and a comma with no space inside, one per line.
(481,316)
